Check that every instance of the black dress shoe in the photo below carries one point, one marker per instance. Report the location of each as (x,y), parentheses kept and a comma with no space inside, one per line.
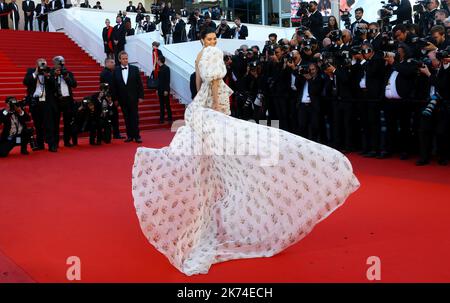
(404,156)
(138,140)
(68,144)
(39,148)
(371,154)
(53,149)
(119,137)
(127,140)
(383,155)
(24,152)
(161,121)
(422,162)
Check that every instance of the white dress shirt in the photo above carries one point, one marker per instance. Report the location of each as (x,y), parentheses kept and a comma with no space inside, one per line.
(391,88)
(305,96)
(125,70)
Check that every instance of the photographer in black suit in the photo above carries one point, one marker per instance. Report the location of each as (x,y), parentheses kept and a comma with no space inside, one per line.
(315,20)
(401,73)
(359,13)
(164,90)
(403,11)
(4,11)
(15,17)
(28,8)
(127,88)
(41,98)
(106,76)
(64,83)
(15,132)
(239,31)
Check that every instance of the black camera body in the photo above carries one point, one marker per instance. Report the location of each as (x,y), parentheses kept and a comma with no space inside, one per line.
(335,35)
(443,54)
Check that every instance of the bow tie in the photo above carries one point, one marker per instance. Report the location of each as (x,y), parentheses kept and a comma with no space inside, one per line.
(124,68)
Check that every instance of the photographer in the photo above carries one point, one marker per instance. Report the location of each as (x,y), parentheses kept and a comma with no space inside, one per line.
(15,132)
(375,37)
(439,41)
(64,83)
(403,11)
(426,18)
(103,114)
(359,13)
(239,31)
(401,74)
(179,31)
(253,84)
(315,20)
(41,99)
(309,86)
(223,31)
(435,116)
(148,26)
(195,21)
(414,43)
(87,117)
(369,72)
(106,76)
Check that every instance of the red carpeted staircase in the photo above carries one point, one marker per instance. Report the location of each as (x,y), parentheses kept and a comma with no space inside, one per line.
(20,49)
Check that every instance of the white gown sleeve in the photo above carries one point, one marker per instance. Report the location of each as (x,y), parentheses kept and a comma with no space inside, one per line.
(211,65)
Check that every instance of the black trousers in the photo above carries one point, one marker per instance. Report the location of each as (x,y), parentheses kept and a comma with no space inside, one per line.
(164,104)
(308,119)
(369,115)
(17,23)
(43,115)
(398,117)
(28,22)
(43,24)
(282,107)
(437,125)
(117,49)
(4,22)
(342,125)
(131,116)
(65,107)
(7,145)
(100,131)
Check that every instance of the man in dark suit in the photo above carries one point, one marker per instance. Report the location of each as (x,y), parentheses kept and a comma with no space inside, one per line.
(179,32)
(41,95)
(316,21)
(239,31)
(106,76)
(148,25)
(85,4)
(375,36)
(15,131)
(28,8)
(129,91)
(15,17)
(4,10)
(118,37)
(359,13)
(42,15)
(164,90)
(369,74)
(65,83)
(131,8)
(403,11)
(223,30)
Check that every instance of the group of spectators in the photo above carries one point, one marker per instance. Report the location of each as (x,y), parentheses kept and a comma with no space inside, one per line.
(379,88)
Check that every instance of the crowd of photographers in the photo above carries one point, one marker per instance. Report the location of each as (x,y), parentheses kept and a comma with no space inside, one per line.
(50,96)
(379,88)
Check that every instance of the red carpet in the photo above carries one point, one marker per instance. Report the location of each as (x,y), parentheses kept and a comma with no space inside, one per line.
(78,203)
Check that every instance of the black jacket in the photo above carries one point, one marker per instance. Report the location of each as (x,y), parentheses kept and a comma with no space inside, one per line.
(131,8)
(105,39)
(57,5)
(374,70)
(404,12)
(28,8)
(6,121)
(407,73)
(224,33)
(106,76)
(316,25)
(149,27)
(70,81)
(15,11)
(127,94)
(38,11)
(119,34)
(441,81)
(179,33)
(243,33)
(30,82)
(163,79)
(315,87)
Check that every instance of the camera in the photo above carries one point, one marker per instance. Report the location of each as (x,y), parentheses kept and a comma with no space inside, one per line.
(43,68)
(422,42)
(346,18)
(443,54)
(387,10)
(335,35)
(431,106)
(302,12)
(14,104)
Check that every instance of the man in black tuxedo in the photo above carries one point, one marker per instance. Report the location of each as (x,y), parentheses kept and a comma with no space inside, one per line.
(28,8)
(4,10)
(369,75)
(85,4)
(359,13)
(106,76)
(179,32)
(239,31)
(15,17)
(164,90)
(41,95)
(118,38)
(97,5)
(64,83)
(316,21)
(42,11)
(129,91)
(131,8)
(15,131)
(375,36)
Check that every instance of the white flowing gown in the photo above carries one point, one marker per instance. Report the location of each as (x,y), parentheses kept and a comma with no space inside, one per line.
(229,189)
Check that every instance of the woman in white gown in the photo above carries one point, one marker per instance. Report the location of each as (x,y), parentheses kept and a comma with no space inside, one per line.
(229,189)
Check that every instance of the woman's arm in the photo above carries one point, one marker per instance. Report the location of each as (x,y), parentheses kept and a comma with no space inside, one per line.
(215,93)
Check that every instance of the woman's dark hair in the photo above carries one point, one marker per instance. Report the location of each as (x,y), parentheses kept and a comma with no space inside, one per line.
(335,26)
(205,32)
